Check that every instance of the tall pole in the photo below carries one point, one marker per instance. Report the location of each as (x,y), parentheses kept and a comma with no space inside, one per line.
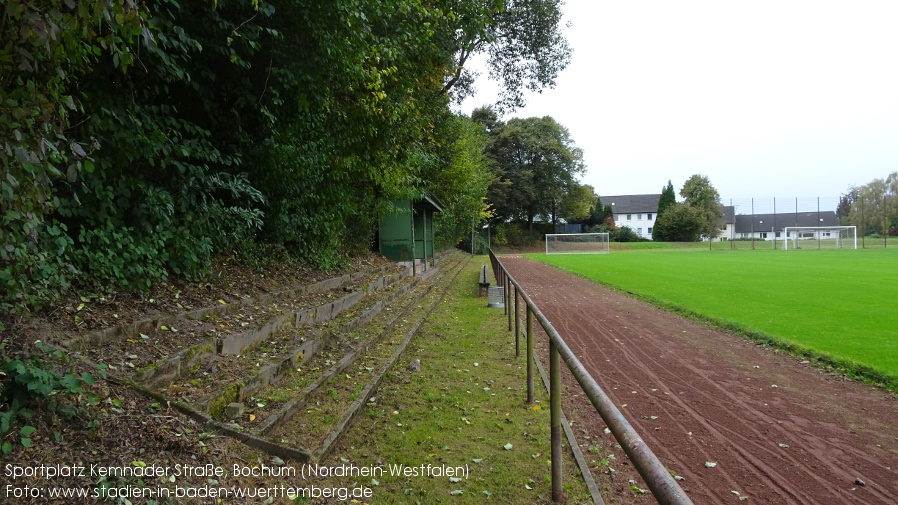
(753,224)
(529,355)
(818,222)
(863,227)
(774,223)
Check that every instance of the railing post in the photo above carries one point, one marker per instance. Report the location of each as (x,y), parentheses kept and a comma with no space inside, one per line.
(517,330)
(555,404)
(529,327)
(504,284)
(508,302)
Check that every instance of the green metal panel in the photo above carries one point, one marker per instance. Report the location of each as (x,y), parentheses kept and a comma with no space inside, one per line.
(396,233)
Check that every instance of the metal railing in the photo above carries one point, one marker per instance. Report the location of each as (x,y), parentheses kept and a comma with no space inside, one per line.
(662,485)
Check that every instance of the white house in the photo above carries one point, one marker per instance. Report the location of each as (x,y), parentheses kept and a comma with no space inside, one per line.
(770,226)
(637,212)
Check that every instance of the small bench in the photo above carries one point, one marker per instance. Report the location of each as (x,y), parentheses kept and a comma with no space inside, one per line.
(484,281)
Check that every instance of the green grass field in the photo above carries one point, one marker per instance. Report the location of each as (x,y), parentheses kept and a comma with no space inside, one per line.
(839,305)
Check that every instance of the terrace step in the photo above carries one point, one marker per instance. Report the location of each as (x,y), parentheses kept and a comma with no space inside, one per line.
(314,404)
(160,352)
(240,359)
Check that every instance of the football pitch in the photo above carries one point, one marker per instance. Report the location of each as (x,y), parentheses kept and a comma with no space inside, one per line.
(840,305)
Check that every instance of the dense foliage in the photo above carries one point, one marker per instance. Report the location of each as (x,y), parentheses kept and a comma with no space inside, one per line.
(873,207)
(140,139)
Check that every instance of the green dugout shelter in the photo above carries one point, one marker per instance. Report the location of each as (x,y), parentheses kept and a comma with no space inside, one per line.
(408,234)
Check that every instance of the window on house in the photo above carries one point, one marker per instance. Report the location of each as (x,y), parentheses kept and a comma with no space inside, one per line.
(629,217)
(650,218)
(639,231)
(639,216)
(650,230)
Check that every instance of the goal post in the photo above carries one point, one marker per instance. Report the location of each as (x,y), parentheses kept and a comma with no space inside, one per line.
(577,243)
(820,237)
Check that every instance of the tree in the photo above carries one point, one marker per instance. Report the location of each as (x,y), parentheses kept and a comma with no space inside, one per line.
(698,193)
(577,204)
(141,139)
(537,164)
(522,38)
(460,179)
(681,223)
(601,215)
(843,210)
(875,205)
(668,199)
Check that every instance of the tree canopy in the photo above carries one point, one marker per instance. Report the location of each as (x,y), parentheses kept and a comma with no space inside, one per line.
(698,193)
(140,139)
(681,223)
(523,40)
(873,207)
(536,164)
(667,200)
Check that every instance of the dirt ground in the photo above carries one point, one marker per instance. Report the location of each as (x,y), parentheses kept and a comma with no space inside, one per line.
(739,421)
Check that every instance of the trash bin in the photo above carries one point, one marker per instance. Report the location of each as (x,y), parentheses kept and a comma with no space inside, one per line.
(495,297)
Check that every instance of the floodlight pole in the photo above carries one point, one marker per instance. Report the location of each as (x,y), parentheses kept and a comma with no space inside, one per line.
(472,235)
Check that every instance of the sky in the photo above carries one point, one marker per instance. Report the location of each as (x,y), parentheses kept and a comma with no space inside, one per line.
(768,98)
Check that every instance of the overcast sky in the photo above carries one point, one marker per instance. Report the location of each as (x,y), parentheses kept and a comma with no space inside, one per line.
(782,98)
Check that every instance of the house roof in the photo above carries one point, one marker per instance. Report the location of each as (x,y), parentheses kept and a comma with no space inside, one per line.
(764,222)
(729,214)
(630,204)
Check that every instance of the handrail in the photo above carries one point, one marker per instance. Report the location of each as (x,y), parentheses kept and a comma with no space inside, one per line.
(663,486)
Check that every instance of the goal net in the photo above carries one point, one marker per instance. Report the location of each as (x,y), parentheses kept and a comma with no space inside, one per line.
(577,243)
(820,237)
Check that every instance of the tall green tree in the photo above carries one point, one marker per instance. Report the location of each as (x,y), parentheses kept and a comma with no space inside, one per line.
(874,208)
(698,193)
(143,138)
(667,200)
(460,180)
(538,163)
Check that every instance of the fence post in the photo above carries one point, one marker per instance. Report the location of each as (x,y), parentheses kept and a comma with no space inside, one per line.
(555,408)
(508,301)
(529,328)
(517,330)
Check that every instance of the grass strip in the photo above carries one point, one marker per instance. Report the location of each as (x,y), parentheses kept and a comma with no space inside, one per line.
(457,399)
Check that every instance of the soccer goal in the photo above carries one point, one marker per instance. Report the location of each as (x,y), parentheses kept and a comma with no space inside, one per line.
(577,243)
(820,237)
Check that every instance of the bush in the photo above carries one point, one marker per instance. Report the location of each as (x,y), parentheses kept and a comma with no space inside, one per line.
(32,378)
